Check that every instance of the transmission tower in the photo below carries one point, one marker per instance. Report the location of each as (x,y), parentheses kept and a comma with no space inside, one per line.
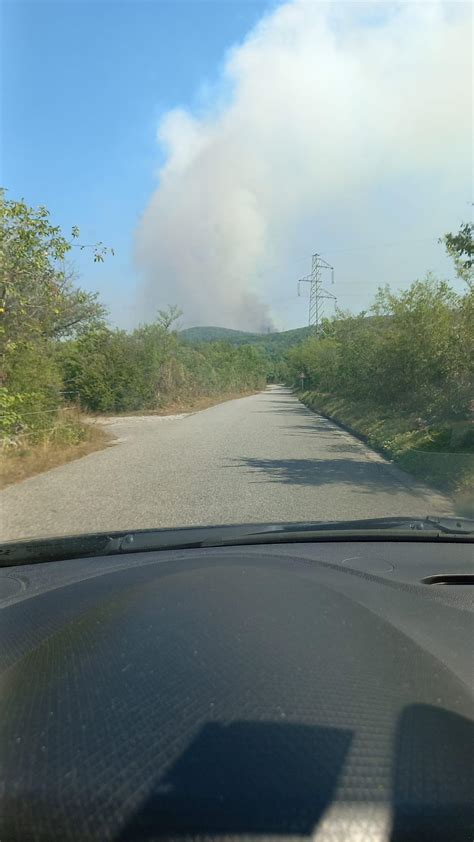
(317,293)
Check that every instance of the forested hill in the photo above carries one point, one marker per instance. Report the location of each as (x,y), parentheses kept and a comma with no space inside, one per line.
(270,341)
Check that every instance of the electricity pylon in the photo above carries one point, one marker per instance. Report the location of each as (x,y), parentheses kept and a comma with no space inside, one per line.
(317,293)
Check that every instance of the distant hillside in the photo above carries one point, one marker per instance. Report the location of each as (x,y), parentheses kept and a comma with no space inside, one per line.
(217,334)
(272,342)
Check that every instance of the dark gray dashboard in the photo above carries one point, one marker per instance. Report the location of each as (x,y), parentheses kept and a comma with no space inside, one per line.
(316,690)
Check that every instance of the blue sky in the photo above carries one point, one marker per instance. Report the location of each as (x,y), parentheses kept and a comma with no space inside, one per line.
(343,129)
(84,88)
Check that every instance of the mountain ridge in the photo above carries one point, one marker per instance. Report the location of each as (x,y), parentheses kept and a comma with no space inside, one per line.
(211,333)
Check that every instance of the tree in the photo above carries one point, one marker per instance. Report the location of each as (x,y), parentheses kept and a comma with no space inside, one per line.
(460,248)
(38,299)
(166,318)
(39,305)
(414,352)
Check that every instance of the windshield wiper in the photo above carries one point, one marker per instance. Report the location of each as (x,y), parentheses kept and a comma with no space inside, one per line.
(143,540)
(445,525)
(452,525)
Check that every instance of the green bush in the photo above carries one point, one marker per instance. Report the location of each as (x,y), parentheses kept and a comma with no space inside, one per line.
(114,371)
(414,352)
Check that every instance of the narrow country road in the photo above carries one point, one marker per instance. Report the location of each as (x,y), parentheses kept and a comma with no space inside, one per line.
(259,458)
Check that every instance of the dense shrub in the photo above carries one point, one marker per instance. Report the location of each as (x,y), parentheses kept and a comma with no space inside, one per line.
(414,351)
(113,371)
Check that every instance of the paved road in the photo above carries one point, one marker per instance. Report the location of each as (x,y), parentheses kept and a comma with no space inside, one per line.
(260,458)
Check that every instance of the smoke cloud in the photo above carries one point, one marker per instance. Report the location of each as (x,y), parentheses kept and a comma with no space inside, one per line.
(334,127)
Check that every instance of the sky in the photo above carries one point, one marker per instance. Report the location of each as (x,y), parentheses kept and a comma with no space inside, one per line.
(217,145)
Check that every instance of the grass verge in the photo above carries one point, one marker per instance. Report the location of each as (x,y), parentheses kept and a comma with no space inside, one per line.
(70,437)
(440,454)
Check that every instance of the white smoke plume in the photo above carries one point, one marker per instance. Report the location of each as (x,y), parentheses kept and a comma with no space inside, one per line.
(333,126)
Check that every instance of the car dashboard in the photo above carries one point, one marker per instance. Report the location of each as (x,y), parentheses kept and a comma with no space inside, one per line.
(311,690)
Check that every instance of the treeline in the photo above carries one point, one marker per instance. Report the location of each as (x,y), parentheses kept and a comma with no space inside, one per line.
(114,371)
(57,350)
(414,350)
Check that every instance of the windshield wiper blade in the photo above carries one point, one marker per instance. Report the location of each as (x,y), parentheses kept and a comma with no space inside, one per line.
(36,551)
(446,525)
(144,540)
(453,525)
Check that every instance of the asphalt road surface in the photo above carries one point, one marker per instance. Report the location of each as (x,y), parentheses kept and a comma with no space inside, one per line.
(259,458)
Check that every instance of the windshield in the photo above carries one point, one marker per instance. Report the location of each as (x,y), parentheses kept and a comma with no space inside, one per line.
(236,264)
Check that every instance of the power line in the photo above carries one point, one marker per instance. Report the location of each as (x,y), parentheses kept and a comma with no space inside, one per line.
(317,294)
(381,246)
(378,246)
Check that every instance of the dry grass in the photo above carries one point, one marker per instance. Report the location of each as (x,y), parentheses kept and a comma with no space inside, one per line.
(196,404)
(185,405)
(19,464)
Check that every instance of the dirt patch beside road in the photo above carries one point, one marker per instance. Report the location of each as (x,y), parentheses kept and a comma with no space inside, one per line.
(17,465)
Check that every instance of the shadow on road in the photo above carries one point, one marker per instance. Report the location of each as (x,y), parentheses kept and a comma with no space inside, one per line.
(289,409)
(317,428)
(361,475)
